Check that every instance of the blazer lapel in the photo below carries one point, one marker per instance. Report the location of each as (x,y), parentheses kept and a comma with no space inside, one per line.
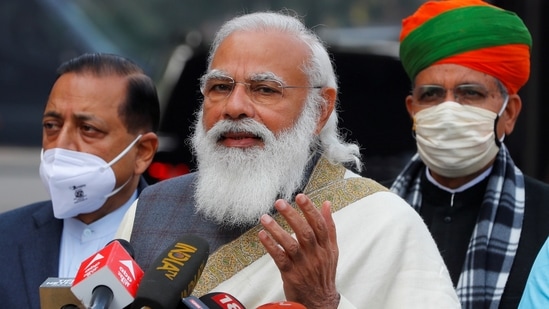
(40,260)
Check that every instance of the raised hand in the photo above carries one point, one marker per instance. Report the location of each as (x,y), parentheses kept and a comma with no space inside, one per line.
(308,262)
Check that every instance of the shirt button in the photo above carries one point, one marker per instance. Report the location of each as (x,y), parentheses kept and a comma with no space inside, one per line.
(447,219)
(87,232)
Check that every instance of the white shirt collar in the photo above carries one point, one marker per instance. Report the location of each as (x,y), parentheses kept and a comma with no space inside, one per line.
(79,240)
(463,187)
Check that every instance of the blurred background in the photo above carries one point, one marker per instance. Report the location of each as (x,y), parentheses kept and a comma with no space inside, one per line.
(170,38)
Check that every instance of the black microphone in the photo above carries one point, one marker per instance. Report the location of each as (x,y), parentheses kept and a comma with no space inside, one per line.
(173,275)
(193,302)
(221,300)
(109,278)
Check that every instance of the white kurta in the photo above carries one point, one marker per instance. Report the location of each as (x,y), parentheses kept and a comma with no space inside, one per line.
(387,259)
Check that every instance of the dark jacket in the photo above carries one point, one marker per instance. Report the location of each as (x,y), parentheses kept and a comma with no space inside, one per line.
(30,241)
(535,230)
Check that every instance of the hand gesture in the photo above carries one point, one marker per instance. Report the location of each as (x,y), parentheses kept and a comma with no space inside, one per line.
(308,262)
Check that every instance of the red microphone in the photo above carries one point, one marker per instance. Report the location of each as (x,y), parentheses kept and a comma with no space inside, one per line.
(221,300)
(108,279)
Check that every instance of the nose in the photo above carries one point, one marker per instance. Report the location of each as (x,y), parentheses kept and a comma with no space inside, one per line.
(450,95)
(238,104)
(65,139)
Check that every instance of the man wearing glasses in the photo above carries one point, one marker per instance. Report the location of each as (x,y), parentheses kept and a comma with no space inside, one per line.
(268,148)
(467,60)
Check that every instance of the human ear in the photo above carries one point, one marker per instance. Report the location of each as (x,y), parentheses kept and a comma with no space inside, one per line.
(329,97)
(510,115)
(146,149)
(409,101)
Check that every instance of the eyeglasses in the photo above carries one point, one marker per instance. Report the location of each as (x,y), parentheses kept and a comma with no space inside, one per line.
(467,94)
(263,92)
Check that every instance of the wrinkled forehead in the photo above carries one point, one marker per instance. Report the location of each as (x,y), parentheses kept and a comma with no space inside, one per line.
(450,75)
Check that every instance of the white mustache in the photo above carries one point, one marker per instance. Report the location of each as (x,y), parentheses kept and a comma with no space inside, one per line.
(247,125)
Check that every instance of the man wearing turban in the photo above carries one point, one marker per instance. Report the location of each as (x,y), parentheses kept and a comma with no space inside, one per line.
(467,60)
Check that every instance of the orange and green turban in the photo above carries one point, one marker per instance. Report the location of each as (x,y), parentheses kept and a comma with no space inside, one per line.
(471,33)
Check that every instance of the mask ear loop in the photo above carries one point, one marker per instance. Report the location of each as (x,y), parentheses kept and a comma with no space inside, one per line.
(414,126)
(123,153)
(499,141)
(118,189)
(113,161)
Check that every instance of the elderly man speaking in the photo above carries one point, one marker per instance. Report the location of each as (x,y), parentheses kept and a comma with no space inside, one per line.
(268,147)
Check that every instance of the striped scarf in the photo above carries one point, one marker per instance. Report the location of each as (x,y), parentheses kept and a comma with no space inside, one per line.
(495,238)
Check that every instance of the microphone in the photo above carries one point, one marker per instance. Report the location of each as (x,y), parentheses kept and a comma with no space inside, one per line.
(193,302)
(55,293)
(282,304)
(109,278)
(173,275)
(221,300)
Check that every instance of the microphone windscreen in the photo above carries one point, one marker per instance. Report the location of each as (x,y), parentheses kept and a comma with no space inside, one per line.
(55,293)
(125,244)
(174,274)
(222,300)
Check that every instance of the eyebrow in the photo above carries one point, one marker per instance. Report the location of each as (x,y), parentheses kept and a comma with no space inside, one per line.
(80,117)
(214,74)
(51,114)
(458,85)
(263,76)
(266,76)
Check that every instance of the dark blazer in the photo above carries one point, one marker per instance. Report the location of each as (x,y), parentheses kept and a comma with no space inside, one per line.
(30,240)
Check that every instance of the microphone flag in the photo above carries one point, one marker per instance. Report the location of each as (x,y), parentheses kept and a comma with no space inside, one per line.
(112,267)
(56,293)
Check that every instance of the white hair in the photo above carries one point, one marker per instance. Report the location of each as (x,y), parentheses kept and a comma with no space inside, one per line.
(319,69)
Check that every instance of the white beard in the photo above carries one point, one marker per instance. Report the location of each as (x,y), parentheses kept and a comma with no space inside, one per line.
(236,186)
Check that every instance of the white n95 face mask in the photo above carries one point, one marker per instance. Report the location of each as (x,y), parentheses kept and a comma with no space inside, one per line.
(456,140)
(78,182)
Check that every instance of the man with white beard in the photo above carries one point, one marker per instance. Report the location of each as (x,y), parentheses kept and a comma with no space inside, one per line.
(273,186)
(248,182)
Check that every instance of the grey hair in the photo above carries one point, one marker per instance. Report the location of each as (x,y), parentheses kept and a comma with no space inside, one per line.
(501,88)
(319,69)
